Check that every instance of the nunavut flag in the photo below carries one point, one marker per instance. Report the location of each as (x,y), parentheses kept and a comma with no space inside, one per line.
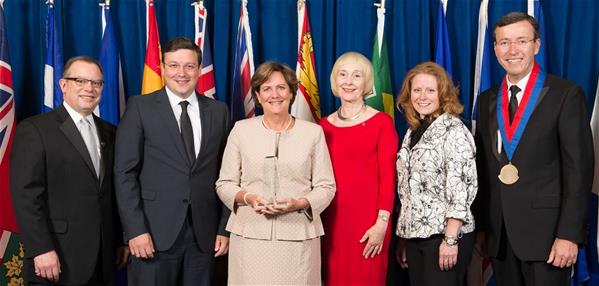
(307,103)
(152,77)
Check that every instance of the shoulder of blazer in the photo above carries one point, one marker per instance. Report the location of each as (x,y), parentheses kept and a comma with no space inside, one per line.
(554,81)
(210,102)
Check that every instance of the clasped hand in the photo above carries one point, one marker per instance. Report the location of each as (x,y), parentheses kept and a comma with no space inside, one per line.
(276,206)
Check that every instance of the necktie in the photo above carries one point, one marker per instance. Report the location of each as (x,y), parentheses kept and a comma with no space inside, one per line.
(514,89)
(187,131)
(87,133)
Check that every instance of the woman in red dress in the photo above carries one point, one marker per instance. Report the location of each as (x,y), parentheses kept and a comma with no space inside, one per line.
(363,146)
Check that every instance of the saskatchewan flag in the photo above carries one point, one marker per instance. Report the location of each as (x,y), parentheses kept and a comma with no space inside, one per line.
(382,96)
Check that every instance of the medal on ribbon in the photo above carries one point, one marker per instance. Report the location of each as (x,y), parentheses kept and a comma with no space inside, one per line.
(511,133)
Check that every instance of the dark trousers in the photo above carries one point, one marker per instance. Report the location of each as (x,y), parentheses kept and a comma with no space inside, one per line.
(95,280)
(423,261)
(183,264)
(509,270)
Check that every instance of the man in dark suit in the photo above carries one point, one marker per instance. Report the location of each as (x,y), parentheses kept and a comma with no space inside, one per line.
(62,187)
(168,151)
(535,162)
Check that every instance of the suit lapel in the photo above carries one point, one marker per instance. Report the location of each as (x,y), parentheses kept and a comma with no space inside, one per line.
(70,131)
(206,123)
(168,118)
(103,155)
(493,125)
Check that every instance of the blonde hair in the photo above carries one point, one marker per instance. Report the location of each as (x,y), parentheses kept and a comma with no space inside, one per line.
(447,92)
(362,61)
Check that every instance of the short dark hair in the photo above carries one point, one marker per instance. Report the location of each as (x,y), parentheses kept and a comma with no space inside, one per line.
(86,59)
(515,17)
(264,72)
(182,43)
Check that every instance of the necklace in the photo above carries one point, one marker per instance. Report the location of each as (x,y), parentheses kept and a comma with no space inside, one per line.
(289,121)
(352,117)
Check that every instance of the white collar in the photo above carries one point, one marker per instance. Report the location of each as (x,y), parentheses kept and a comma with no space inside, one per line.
(76,116)
(174,100)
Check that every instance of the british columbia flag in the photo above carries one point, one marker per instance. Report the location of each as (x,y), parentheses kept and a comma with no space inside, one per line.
(205,83)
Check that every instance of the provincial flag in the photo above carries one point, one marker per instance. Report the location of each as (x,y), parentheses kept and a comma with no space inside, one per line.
(206,83)
(11,259)
(482,67)
(11,250)
(7,129)
(152,77)
(307,101)
(242,103)
(382,96)
(54,62)
(536,10)
(442,48)
(112,102)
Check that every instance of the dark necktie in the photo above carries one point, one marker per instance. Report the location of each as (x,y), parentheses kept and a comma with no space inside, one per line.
(514,89)
(187,131)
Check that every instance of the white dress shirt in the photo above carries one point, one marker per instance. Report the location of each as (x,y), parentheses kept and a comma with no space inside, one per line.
(76,116)
(194,115)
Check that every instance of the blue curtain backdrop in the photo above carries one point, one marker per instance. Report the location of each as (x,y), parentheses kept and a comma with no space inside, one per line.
(572,30)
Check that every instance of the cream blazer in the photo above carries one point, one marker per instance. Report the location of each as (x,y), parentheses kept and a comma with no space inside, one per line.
(304,170)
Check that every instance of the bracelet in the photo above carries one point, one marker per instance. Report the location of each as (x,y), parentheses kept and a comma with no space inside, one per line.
(450,240)
(384,217)
(245,198)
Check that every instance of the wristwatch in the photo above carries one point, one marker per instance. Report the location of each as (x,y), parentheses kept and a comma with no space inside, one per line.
(450,240)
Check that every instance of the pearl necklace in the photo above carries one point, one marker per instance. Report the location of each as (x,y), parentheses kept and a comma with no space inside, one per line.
(353,117)
(289,121)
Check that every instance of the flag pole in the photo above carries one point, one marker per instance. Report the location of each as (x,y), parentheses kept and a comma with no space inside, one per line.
(380,5)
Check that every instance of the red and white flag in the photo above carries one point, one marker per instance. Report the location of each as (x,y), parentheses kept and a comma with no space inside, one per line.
(206,84)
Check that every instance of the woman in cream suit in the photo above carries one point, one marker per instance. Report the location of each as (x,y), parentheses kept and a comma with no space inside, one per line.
(276,178)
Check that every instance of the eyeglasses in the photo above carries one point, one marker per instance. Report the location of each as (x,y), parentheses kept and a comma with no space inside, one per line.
(428,91)
(186,67)
(81,82)
(520,43)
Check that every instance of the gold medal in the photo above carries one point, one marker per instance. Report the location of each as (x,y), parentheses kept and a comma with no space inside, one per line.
(508,174)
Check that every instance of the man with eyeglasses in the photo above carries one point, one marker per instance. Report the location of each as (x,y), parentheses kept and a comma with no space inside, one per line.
(168,152)
(62,186)
(535,163)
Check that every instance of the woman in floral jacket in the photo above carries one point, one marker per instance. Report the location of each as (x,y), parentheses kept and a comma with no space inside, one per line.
(437,180)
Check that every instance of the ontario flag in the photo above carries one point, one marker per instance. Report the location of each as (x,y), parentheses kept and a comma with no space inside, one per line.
(206,83)
(54,62)
(242,103)
(307,103)
(11,251)
(152,77)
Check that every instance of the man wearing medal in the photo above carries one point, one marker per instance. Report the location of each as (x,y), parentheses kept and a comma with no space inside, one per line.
(535,163)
